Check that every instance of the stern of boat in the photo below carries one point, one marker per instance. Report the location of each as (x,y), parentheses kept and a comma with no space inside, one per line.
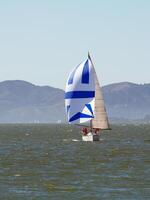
(90,137)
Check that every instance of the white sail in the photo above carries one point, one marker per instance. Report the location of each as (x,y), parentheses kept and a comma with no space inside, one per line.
(100,116)
(80,93)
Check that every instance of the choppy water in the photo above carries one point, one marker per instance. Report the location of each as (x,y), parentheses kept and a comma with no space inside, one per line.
(43,162)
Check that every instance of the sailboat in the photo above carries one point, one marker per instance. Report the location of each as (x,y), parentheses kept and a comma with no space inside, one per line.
(84,101)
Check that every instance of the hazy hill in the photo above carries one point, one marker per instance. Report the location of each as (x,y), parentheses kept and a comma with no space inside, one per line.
(21,101)
(127,100)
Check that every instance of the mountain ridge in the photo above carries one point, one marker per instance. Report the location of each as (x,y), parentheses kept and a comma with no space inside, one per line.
(24,102)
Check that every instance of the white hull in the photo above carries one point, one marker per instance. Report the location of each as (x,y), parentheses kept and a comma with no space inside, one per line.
(90,137)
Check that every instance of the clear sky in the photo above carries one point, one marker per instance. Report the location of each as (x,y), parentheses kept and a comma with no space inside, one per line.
(42,40)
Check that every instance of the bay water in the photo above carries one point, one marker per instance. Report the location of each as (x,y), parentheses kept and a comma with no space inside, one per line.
(46,161)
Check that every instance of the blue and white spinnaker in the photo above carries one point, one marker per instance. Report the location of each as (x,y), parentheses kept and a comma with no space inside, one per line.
(80,93)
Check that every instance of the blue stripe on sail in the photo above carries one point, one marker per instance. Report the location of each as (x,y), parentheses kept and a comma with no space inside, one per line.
(68,107)
(78,116)
(79,94)
(70,81)
(85,73)
(89,108)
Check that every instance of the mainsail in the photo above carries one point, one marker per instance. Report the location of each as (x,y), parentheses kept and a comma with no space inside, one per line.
(83,97)
(100,119)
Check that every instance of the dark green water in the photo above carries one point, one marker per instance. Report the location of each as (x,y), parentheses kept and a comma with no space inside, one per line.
(51,162)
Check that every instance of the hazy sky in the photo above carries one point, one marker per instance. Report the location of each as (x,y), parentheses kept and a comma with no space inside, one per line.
(42,40)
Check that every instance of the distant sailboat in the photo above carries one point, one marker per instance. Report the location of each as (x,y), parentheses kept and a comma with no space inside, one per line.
(84,101)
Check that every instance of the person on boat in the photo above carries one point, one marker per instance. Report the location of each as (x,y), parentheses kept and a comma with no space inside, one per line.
(96,130)
(84,131)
